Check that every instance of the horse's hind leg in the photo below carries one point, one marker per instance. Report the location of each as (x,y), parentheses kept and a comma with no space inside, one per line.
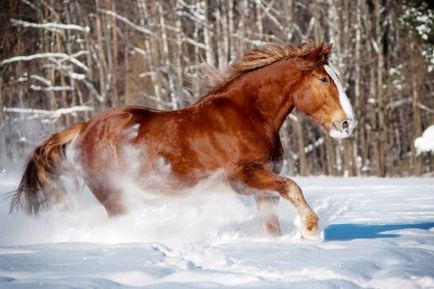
(267,208)
(111,199)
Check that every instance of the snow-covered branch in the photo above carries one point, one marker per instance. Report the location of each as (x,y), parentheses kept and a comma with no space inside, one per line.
(270,16)
(40,78)
(53,55)
(195,43)
(195,12)
(254,42)
(49,113)
(312,146)
(51,26)
(405,101)
(127,21)
(51,88)
(399,102)
(424,107)
(293,117)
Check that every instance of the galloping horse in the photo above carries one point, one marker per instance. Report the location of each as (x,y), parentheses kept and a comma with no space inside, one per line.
(234,129)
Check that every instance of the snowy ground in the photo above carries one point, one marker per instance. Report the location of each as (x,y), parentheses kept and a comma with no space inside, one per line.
(377,233)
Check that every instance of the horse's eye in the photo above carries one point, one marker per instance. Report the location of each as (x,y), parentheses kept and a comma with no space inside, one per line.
(323,79)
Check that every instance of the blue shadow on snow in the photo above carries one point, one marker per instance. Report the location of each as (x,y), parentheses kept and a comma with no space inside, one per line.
(346,232)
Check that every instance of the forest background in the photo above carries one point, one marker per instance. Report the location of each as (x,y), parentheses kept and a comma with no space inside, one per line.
(63,61)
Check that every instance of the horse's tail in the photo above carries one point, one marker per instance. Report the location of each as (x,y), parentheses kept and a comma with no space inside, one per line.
(39,186)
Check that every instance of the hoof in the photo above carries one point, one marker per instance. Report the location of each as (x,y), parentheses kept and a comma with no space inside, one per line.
(311,236)
(310,230)
(272,230)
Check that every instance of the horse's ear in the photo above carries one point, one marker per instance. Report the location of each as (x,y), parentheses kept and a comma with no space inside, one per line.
(319,55)
(326,52)
(315,54)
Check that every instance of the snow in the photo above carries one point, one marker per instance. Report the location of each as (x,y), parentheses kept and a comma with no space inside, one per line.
(377,233)
(425,143)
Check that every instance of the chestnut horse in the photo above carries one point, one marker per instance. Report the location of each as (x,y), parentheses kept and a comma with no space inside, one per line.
(233,129)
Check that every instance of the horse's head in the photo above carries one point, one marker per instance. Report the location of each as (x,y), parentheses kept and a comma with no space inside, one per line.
(322,97)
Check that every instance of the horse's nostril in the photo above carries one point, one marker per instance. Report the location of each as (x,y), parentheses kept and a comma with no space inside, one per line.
(345,124)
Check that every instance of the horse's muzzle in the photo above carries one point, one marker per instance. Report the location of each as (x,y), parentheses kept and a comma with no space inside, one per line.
(343,129)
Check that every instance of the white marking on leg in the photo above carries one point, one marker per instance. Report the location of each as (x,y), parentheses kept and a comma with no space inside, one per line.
(343,98)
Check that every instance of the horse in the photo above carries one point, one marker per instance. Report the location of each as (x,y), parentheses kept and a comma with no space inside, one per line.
(233,128)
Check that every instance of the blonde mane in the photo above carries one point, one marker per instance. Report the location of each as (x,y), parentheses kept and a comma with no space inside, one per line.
(257,58)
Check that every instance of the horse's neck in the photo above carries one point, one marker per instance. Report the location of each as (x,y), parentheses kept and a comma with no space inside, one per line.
(268,92)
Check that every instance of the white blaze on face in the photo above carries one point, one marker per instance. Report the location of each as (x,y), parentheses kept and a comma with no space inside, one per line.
(343,99)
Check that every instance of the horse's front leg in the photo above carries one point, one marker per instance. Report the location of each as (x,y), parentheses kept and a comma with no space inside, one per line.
(256,176)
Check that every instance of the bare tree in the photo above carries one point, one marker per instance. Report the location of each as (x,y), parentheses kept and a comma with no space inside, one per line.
(63,61)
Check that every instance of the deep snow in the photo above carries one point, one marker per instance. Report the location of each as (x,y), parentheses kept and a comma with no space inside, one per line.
(377,233)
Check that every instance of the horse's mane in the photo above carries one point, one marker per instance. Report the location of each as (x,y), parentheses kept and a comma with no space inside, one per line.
(257,58)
